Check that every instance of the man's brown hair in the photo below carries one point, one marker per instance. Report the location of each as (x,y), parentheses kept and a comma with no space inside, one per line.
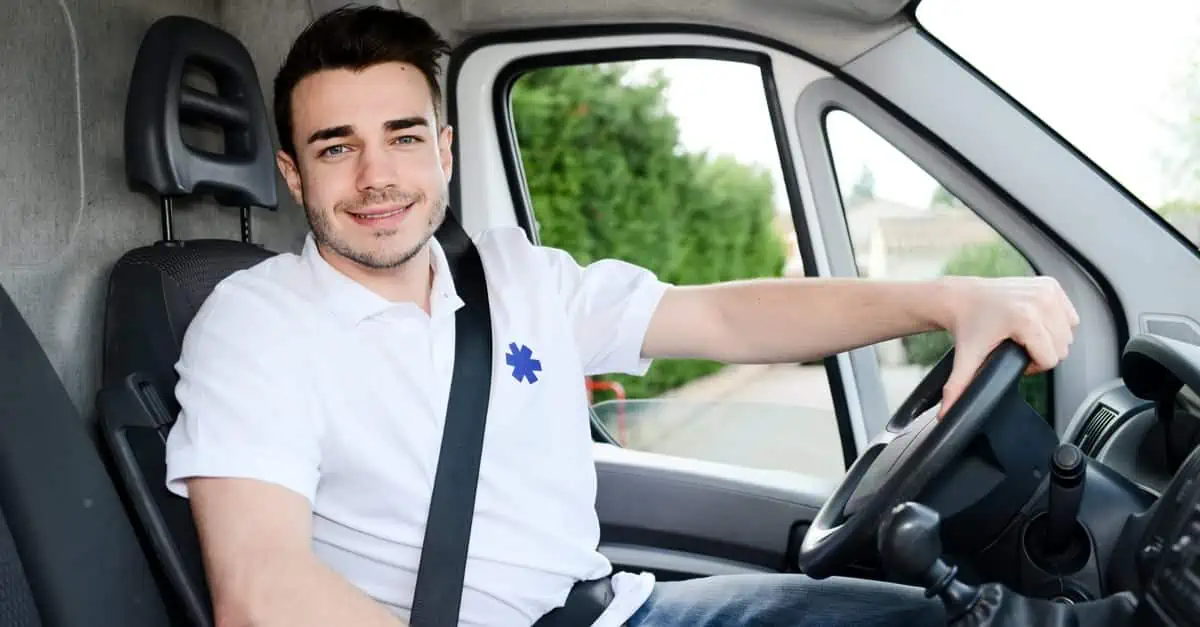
(356,38)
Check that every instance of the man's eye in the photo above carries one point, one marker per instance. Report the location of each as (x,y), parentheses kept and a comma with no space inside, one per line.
(408,139)
(332,151)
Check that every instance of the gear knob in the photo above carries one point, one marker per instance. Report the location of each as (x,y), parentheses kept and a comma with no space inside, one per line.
(910,540)
(910,545)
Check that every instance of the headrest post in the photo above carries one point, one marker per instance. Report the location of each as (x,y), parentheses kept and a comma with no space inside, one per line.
(246,224)
(168,218)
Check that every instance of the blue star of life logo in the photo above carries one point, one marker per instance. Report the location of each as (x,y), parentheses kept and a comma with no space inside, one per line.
(523,364)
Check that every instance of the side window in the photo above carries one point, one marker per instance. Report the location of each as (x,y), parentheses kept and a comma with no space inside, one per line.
(639,161)
(905,225)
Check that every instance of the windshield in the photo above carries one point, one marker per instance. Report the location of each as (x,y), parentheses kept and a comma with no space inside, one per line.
(1118,80)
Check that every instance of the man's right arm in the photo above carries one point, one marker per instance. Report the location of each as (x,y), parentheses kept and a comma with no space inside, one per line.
(246,451)
(256,540)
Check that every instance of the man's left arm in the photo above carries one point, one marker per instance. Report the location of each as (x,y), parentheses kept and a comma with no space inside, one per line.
(797,320)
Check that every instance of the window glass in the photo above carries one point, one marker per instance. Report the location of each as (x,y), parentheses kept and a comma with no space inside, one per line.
(1118,80)
(904,225)
(641,161)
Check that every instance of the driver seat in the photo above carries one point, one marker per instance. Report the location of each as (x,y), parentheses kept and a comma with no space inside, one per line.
(154,291)
(69,556)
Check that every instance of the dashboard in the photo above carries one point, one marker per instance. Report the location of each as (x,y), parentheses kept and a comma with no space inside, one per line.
(1146,427)
(1146,441)
(1169,557)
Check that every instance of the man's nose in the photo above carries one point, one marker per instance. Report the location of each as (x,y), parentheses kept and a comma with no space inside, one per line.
(375,170)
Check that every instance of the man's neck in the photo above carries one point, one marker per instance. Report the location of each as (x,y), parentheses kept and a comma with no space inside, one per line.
(411,282)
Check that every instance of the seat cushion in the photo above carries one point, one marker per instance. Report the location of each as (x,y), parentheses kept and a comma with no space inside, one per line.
(153,294)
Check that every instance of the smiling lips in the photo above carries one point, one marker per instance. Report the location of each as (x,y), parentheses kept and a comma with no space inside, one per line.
(382,216)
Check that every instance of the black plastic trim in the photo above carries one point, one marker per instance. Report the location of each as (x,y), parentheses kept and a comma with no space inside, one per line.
(134,427)
(1154,368)
(728,550)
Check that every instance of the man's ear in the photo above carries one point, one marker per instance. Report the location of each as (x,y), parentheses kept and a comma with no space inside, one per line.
(291,174)
(445,141)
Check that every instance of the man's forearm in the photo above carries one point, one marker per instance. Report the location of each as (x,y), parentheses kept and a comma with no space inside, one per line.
(791,320)
(300,591)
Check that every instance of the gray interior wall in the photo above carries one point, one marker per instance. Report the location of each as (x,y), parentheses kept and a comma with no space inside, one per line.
(66,213)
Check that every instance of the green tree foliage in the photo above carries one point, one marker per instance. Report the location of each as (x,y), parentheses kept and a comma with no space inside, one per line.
(994,259)
(608,179)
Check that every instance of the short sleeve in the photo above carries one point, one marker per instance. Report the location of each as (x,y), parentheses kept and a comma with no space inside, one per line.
(609,304)
(244,409)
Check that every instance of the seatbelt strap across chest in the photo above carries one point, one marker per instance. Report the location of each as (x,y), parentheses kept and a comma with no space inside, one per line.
(438,594)
(437,598)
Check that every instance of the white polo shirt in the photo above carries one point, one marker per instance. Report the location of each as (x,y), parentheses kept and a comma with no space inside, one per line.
(294,374)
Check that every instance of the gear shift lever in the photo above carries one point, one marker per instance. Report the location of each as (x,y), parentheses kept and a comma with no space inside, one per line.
(910,544)
(1067,470)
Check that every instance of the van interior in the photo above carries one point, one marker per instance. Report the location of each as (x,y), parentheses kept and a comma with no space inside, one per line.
(139,171)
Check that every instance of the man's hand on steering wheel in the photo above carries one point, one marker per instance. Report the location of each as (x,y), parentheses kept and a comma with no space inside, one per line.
(1003,328)
(981,313)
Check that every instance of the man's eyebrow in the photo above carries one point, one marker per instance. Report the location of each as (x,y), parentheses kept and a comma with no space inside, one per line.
(403,123)
(332,132)
(346,130)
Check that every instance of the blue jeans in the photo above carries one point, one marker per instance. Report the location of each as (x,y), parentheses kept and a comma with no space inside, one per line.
(786,601)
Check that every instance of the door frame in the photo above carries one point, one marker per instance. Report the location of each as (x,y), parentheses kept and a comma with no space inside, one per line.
(570,45)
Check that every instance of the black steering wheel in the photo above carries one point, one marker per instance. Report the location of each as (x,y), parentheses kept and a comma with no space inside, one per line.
(898,464)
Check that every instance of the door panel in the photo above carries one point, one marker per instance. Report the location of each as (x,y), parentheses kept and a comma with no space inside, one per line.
(667,514)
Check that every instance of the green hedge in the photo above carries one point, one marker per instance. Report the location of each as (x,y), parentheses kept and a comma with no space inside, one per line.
(995,259)
(609,179)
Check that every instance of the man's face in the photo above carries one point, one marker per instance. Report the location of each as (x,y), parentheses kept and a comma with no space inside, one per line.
(371,168)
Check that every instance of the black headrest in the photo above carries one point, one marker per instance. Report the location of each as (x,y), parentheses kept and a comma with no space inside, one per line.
(160,104)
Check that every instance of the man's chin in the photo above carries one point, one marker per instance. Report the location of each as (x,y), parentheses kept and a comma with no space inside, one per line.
(381,260)
(374,256)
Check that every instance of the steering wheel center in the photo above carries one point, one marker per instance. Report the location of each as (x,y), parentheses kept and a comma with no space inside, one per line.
(891,455)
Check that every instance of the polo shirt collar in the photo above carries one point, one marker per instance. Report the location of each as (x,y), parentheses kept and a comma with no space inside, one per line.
(352,302)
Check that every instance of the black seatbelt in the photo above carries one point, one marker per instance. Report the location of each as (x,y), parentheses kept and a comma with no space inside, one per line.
(438,594)
(437,597)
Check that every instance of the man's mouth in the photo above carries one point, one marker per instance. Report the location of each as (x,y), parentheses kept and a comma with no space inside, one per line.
(378,215)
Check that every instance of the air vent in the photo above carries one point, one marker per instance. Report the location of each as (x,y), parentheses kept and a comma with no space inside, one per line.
(1096,430)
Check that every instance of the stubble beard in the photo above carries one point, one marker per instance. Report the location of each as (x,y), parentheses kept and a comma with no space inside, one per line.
(320,222)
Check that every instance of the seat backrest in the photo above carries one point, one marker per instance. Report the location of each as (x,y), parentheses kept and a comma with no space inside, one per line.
(69,555)
(155,291)
(153,294)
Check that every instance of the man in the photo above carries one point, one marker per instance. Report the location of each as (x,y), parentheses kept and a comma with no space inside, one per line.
(313,386)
